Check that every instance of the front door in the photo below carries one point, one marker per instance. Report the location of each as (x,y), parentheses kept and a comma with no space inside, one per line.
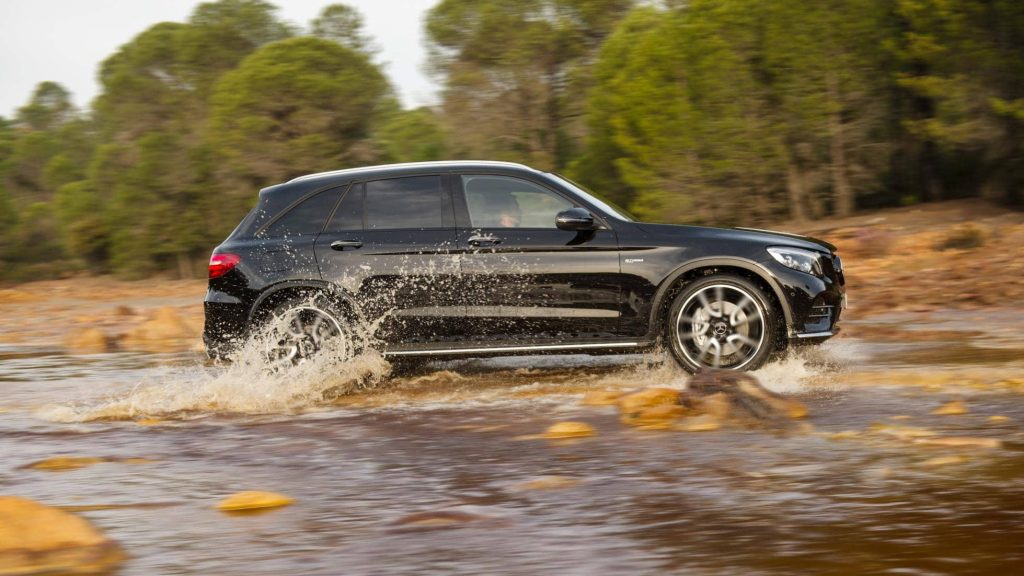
(524,279)
(390,245)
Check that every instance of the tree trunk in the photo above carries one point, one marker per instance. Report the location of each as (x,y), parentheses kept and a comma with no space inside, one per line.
(795,188)
(841,189)
(184,266)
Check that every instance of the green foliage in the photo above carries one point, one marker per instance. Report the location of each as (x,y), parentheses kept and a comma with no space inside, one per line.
(411,136)
(342,24)
(709,111)
(296,106)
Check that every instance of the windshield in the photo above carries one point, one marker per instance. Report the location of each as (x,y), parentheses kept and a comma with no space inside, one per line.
(607,207)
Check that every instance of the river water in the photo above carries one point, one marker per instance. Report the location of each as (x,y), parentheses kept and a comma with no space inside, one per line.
(361,452)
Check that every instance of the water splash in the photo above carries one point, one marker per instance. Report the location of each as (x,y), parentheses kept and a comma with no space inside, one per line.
(250,384)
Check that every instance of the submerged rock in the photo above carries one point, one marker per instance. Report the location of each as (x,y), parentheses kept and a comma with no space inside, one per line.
(64,463)
(951,408)
(253,500)
(39,539)
(655,417)
(549,483)
(435,520)
(944,461)
(960,442)
(703,423)
(998,419)
(747,397)
(569,430)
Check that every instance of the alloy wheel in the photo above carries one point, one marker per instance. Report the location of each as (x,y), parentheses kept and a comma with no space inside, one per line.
(721,326)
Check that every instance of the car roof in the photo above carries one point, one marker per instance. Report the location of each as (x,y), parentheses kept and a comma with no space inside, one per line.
(410,167)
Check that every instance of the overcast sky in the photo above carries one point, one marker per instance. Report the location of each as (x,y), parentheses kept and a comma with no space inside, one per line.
(65,40)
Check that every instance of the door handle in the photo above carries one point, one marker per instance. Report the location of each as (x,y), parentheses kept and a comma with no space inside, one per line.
(342,244)
(482,240)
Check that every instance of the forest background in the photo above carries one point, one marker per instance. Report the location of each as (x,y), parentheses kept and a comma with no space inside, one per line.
(699,111)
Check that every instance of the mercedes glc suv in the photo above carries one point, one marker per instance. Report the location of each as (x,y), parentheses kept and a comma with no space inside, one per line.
(467,258)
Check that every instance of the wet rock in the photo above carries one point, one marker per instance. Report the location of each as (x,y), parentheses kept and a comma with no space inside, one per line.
(39,539)
(436,520)
(900,432)
(960,442)
(88,341)
(549,483)
(747,397)
(702,423)
(569,430)
(951,408)
(253,500)
(944,461)
(601,397)
(648,398)
(166,330)
(656,417)
(64,463)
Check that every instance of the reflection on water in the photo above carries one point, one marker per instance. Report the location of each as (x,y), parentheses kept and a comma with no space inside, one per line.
(428,472)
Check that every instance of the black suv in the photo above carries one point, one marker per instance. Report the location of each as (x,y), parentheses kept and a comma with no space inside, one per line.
(490,258)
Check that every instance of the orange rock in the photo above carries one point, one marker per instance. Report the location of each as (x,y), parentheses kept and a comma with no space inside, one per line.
(253,500)
(601,397)
(717,405)
(658,417)
(65,463)
(88,341)
(549,483)
(569,430)
(960,442)
(648,398)
(703,423)
(951,408)
(39,539)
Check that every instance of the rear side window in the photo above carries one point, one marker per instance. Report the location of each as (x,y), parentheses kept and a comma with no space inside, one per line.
(349,215)
(306,219)
(415,202)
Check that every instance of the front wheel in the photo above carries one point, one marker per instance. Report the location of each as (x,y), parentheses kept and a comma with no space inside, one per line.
(721,321)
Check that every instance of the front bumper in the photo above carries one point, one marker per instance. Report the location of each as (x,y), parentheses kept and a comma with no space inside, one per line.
(815,304)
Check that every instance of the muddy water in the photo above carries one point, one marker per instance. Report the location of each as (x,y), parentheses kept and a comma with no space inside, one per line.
(360,451)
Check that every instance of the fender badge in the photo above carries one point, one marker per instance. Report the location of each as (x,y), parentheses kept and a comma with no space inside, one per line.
(633,260)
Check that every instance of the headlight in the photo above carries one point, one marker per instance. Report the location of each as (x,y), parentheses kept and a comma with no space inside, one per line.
(797,259)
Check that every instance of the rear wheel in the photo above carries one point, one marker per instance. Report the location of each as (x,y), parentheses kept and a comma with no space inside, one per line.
(722,321)
(300,329)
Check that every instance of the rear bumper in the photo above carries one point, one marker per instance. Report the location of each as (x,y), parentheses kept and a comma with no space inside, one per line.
(225,325)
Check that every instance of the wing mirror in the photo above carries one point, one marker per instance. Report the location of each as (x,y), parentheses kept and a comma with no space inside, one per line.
(575,220)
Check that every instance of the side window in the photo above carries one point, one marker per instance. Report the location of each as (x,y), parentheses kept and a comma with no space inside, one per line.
(504,202)
(306,219)
(415,202)
(349,215)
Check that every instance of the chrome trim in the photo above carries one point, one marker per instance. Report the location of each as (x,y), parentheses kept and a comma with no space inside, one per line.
(826,334)
(443,351)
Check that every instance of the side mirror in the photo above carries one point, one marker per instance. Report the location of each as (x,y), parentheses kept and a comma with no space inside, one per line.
(575,220)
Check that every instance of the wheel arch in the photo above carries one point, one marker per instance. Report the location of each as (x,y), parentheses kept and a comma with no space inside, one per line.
(289,290)
(691,271)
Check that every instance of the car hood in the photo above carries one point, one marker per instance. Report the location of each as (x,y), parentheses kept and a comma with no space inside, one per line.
(751,235)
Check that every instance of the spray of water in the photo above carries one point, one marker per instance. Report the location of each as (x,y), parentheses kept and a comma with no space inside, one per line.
(257,381)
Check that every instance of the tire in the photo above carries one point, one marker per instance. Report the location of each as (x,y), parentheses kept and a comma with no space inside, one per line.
(299,329)
(722,321)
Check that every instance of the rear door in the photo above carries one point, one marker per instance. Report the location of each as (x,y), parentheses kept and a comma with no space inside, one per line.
(524,278)
(390,244)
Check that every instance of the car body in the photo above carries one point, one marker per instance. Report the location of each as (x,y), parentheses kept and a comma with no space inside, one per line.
(492,258)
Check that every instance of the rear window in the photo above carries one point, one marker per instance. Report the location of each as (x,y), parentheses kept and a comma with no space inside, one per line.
(305,219)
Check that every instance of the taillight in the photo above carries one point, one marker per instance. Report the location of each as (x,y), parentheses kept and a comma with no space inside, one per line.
(221,264)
